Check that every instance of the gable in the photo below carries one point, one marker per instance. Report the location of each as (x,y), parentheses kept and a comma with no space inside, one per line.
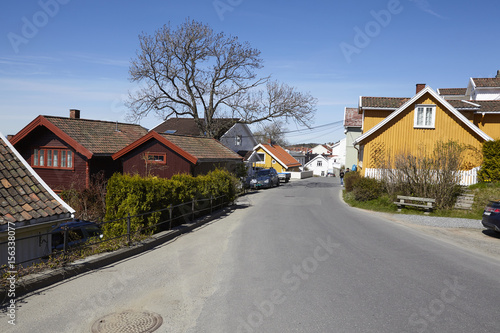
(445,123)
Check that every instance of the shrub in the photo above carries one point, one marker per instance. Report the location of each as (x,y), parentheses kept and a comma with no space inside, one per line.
(366,189)
(490,170)
(350,180)
(135,196)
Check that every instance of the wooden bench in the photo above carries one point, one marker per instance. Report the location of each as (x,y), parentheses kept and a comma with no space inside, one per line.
(426,203)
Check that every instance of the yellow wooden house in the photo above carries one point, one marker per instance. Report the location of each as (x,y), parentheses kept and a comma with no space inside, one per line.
(401,125)
(274,156)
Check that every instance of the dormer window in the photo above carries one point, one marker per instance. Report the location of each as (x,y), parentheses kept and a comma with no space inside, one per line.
(425,116)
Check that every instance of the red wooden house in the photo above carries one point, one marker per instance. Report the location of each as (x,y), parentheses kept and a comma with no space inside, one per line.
(67,152)
(164,155)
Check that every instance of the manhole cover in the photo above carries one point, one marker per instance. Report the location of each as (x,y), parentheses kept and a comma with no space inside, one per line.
(128,321)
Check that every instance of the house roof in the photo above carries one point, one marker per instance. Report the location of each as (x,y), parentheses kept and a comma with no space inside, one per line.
(194,149)
(381,102)
(279,154)
(477,106)
(25,199)
(203,148)
(452,91)
(352,118)
(188,126)
(446,104)
(87,137)
(486,82)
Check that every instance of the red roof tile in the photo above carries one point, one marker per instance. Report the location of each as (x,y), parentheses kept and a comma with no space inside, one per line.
(452,91)
(29,198)
(487,82)
(281,155)
(383,102)
(352,118)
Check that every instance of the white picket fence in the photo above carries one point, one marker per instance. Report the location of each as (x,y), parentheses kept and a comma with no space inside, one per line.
(468,177)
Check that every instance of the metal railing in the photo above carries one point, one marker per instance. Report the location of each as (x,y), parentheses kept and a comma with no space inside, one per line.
(169,217)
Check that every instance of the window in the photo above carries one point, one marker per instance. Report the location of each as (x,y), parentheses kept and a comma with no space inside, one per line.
(156,158)
(52,158)
(319,163)
(237,140)
(425,116)
(274,161)
(262,157)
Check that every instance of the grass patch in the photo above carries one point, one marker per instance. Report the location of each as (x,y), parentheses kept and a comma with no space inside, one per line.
(483,193)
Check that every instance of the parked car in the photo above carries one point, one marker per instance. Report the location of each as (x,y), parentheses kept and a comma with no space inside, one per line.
(265,178)
(78,232)
(491,216)
(285,176)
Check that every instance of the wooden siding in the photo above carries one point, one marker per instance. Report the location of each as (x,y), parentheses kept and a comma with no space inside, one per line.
(57,179)
(489,124)
(134,162)
(373,117)
(268,162)
(399,135)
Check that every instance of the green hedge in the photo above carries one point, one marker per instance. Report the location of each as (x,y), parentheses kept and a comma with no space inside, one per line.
(490,170)
(134,195)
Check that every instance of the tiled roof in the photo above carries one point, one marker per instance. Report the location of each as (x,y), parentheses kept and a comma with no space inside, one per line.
(188,126)
(488,106)
(457,104)
(452,91)
(353,118)
(23,196)
(383,102)
(487,82)
(202,148)
(282,155)
(99,137)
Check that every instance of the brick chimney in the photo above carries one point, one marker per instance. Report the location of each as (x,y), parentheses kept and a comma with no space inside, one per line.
(498,74)
(74,114)
(420,86)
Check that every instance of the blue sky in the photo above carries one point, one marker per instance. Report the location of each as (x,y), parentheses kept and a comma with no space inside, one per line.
(62,54)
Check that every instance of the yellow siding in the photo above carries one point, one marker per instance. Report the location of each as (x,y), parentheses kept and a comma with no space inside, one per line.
(399,136)
(268,162)
(373,117)
(489,124)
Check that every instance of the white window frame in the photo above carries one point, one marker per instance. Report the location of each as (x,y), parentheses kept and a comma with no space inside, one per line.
(264,160)
(426,107)
(237,140)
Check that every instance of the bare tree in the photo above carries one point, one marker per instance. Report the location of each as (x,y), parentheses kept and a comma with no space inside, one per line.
(274,132)
(194,72)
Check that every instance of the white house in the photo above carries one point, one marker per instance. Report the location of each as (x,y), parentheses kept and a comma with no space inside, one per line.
(318,165)
(339,150)
(321,149)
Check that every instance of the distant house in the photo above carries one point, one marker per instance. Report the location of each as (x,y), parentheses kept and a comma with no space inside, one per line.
(28,208)
(273,156)
(395,125)
(164,155)
(321,149)
(353,122)
(233,134)
(339,153)
(318,165)
(69,151)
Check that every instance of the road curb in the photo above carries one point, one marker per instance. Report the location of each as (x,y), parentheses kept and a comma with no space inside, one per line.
(31,283)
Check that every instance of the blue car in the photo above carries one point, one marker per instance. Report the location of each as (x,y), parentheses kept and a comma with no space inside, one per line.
(491,216)
(78,233)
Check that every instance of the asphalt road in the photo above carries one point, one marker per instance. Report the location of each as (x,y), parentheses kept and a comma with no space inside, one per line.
(289,259)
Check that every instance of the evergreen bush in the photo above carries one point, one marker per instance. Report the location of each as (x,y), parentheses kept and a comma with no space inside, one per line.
(490,170)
